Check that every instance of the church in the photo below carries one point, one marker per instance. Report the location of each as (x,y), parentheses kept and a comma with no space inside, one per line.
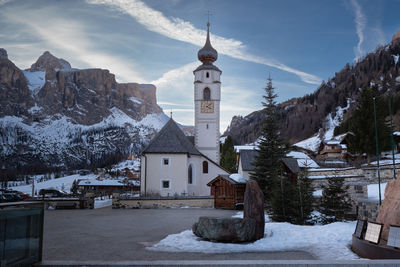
(175,164)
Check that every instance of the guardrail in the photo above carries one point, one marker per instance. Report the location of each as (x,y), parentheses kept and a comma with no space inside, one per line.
(21,233)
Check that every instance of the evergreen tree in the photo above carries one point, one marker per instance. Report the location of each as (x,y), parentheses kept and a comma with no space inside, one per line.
(283,202)
(335,202)
(305,198)
(362,125)
(271,148)
(228,155)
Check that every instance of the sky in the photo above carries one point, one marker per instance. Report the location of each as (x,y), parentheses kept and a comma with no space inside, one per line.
(298,43)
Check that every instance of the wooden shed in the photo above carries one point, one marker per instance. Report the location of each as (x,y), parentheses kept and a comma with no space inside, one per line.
(228,193)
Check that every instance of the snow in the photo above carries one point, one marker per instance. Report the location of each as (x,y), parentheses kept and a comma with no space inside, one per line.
(62,184)
(331,241)
(53,133)
(101,203)
(303,160)
(34,109)
(245,147)
(398,79)
(238,178)
(383,162)
(135,100)
(36,80)
(373,191)
(332,176)
(313,143)
(222,139)
(396,59)
(130,164)
(317,193)
(105,182)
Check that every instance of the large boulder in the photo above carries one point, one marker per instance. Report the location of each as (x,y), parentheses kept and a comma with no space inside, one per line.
(254,207)
(233,230)
(389,211)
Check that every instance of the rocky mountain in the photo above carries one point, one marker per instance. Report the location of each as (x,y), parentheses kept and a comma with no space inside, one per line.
(332,102)
(53,115)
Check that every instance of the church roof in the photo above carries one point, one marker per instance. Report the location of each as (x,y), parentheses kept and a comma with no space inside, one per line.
(171,139)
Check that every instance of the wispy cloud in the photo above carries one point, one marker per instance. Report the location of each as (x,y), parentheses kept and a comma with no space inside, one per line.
(360,21)
(184,31)
(3,2)
(70,37)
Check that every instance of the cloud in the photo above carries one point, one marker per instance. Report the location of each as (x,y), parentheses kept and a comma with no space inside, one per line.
(184,31)
(360,21)
(70,37)
(3,2)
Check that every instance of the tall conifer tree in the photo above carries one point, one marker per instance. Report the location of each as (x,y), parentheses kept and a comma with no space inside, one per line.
(228,155)
(362,124)
(271,148)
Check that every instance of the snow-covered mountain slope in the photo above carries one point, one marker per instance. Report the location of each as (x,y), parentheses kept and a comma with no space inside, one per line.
(54,116)
(326,132)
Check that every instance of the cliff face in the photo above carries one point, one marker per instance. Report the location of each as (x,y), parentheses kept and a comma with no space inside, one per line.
(15,97)
(303,117)
(68,117)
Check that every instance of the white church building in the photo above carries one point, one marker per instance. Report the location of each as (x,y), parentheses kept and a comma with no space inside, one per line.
(174,164)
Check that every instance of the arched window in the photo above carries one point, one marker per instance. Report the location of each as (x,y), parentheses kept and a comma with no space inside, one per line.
(206,94)
(207,74)
(190,174)
(205,167)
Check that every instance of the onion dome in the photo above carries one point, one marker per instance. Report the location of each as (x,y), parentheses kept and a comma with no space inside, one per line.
(207,54)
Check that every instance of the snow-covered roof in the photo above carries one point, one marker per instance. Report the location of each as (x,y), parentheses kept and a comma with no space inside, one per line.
(245,147)
(238,178)
(332,142)
(303,160)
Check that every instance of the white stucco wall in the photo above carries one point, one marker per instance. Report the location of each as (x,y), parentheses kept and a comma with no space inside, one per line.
(156,172)
(200,179)
(207,138)
(245,174)
(177,173)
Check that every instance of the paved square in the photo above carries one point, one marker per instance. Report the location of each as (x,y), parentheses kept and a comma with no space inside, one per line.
(122,235)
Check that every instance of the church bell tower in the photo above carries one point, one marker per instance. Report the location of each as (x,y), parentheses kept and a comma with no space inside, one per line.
(207,97)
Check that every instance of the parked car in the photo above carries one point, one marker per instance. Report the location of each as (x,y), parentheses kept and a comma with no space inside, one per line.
(10,197)
(51,193)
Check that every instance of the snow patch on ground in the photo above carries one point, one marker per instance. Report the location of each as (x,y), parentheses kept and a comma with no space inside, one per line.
(36,80)
(101,203)
(331,241)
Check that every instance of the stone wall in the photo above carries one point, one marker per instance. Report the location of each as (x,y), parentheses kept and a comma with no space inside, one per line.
(368,209)
(161,202)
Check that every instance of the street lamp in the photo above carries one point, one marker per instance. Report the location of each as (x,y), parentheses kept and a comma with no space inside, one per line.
(377,153)
(391,134)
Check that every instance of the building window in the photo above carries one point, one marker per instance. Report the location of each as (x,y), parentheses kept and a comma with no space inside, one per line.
(165,184)
(207,126)
(206,93)
(205,167)
(207,74)
(190,174)
(165,161)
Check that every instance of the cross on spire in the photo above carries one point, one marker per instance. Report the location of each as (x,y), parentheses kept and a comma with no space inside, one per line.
(208,18)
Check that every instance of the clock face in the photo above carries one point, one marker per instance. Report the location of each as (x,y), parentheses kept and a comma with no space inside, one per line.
(207,107)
